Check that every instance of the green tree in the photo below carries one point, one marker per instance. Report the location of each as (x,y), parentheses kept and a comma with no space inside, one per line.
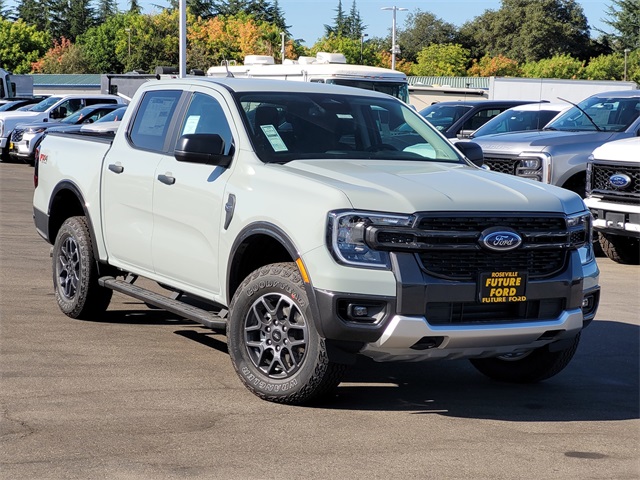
(499,66)
(21,45)
(529,30)
(355,26)
(105,9)
(422,29)
(339,27)
(134,7)
(100,44)
(605,67)
(63,58)
(30,11)
(558,66)
(625,20)
(442,61)
(349,47)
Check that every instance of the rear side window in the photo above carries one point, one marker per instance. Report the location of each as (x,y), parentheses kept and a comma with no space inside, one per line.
(95,101)
(150,127)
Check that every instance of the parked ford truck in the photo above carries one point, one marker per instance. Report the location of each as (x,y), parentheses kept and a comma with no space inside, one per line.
(613,195)
(313,223)
(558,154)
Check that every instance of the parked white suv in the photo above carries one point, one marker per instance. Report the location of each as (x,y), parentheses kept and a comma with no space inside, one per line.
(613,196)
(51,109)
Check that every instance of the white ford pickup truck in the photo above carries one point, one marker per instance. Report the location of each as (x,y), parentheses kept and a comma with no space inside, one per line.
(314,223)
(613,195)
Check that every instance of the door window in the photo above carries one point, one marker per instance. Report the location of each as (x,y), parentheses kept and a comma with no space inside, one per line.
(153,119)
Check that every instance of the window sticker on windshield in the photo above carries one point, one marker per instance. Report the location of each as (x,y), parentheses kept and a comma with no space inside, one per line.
(274,138)
(191,124)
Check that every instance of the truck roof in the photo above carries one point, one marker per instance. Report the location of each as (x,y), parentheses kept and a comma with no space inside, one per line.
(253,84)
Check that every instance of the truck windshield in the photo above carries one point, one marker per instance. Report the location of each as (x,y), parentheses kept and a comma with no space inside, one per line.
(44,105)
(395,89)
(599,114)
(287,127)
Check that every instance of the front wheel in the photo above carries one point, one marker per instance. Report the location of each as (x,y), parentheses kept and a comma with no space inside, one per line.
(529,367)
(620,249)
(75,273)
(273,343)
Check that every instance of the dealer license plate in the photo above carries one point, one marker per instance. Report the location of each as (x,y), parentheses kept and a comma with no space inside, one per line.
(503,287)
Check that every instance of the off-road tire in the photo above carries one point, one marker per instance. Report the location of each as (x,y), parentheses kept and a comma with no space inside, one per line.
(75,273)
(531,367)
(272,340)
(620,249)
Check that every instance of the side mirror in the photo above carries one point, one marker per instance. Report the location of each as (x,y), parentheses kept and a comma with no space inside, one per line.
(205,148)
(472,151)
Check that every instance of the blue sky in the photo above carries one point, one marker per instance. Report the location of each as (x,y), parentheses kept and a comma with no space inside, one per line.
(308,17)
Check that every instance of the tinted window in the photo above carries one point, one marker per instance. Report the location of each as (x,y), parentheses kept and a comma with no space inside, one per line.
(205,115)
(443,116)
(150,127)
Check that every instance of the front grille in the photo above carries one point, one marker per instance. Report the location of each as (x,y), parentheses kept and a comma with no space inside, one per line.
(502,165)
(601,173)
(466,265)
(451,247)
(443,313)
(17,134)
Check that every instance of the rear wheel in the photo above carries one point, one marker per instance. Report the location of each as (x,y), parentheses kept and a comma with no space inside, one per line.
(273,343)
(529,367)
(75,273)
(621,249)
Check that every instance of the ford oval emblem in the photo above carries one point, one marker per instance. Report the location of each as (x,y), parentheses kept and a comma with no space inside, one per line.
(500,240)
(620,180)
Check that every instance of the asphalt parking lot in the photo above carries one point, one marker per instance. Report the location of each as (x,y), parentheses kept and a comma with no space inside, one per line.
(142,394)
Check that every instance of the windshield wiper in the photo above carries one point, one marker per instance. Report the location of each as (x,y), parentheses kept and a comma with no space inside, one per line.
(585,113)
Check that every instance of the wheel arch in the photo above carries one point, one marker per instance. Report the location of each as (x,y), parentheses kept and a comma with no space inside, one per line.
(67,201)
(257,245)
(577,183)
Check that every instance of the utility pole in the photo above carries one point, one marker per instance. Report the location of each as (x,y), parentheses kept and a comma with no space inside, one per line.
(394,48)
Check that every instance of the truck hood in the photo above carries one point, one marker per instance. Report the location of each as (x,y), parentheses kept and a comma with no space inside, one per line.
(539,141)
(17,116)
(408,187)
(36,124)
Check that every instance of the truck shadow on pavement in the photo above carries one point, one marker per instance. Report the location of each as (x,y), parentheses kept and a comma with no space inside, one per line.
(601,383)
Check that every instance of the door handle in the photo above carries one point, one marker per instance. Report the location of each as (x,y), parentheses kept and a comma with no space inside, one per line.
(116,168)
(167,179)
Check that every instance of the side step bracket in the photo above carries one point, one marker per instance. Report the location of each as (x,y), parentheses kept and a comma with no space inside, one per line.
(215,321)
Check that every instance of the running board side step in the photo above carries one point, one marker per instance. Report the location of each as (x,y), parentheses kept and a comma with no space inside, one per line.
(212,320)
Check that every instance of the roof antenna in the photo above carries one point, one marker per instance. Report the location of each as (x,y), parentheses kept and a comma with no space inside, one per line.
(226,66)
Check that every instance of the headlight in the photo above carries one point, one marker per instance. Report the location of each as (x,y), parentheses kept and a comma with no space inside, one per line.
(35,129)
(536,166)
(1,128)
(346,233)
(581,235)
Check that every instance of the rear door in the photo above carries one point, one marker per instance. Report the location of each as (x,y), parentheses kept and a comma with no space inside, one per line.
(128,180)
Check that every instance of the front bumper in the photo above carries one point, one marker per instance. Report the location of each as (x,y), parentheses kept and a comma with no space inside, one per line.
(614,218)
(431,317)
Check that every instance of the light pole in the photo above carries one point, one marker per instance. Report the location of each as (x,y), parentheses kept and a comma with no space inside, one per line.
(626,52)
(362,44)
(394,47)
(128,30)
(282,46)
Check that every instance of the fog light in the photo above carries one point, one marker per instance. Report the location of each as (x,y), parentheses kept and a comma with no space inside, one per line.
(359,311)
